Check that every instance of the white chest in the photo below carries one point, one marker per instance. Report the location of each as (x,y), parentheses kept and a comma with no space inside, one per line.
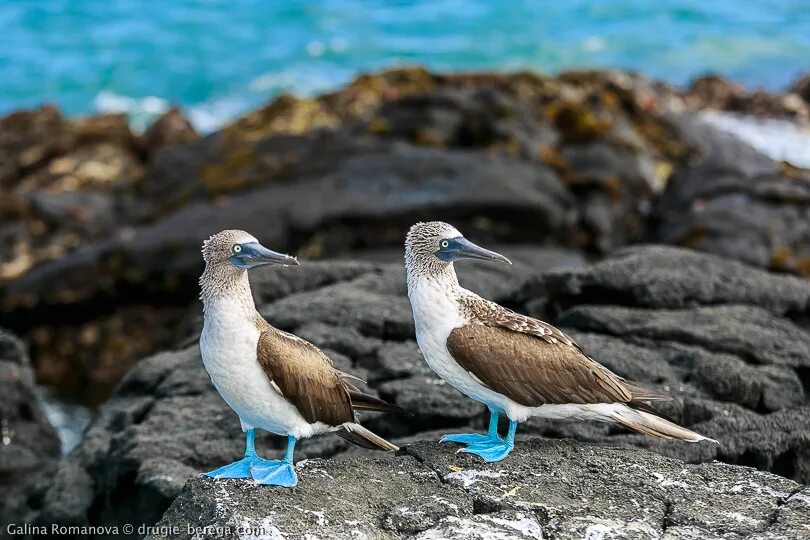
(228,340)
(228,345)
(436,313)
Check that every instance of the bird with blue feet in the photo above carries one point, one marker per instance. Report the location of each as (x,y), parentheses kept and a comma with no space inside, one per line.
(273,380)
(515,365)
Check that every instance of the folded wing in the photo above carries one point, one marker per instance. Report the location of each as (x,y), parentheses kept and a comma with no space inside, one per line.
(305,377)
(533,363)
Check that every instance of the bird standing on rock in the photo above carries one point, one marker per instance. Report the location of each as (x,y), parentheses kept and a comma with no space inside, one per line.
(272,379)
(515,365)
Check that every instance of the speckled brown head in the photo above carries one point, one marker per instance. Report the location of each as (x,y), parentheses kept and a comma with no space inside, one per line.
(241,250)
(228,255)
(431,248)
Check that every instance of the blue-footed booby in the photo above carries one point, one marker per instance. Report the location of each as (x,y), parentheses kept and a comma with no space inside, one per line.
(273,380)
(515,365)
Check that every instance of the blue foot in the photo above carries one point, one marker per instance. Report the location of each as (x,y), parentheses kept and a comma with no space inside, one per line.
(237,469)
(475,438)
(263,471)
(494,450)
(274,473)
(466,438)
(490,451)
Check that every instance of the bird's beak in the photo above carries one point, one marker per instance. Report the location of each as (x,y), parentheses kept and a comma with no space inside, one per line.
(254,254)
(461,248)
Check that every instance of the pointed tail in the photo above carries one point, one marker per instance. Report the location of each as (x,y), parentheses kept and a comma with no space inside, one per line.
(366,402)
(357,434)
(650,424)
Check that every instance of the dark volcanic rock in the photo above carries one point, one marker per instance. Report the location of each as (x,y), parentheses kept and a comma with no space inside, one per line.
(29,447)
(728,340)
(669,277)
(363,198)
(712,91)
(733,201)
(558,489)
(801,87)
(171,128)
(737,372)
(64,184)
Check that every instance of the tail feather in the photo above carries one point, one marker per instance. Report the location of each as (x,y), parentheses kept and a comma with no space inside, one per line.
(357,434)
(366,402)
(650,424)
(349,377)
(641,393)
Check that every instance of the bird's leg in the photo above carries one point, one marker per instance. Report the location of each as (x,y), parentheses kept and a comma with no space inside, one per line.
(494,450)
(475,438)
(250,443)
(276,472)
(241,468)
(492,432)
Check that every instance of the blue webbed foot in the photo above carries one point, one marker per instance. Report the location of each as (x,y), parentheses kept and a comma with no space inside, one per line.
(237,469)
(466,438)
(274,473)
(491,451)
(263,471)
(475,438)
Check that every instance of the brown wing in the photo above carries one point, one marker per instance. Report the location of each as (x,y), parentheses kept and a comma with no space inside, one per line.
(305,377)
(531,371)
(492,314)
(559,369)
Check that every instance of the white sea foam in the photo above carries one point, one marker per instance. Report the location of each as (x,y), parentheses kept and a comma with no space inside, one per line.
(68,419)
(779,139)
(213,114)
(141,111)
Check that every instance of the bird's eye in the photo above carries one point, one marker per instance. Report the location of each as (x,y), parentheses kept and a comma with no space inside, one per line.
(445,244)
(237,248)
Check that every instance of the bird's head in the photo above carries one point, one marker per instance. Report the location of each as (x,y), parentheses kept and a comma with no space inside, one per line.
(241,251)
(431,247)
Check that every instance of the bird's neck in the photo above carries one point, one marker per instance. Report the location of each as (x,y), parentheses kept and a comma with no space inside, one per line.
(225,283)
(441,278)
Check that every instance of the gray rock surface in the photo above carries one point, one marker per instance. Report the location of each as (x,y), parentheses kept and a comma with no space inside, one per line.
(29,447)
(670,277)
(545,489)
(733,358)
(730,341)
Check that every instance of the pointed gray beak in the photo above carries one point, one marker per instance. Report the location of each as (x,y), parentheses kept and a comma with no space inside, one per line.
(461,248)
(254,254)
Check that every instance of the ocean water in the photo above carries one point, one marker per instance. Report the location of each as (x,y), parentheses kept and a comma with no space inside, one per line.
(220,58)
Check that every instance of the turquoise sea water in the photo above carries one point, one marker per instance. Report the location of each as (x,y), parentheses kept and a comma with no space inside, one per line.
(219,58)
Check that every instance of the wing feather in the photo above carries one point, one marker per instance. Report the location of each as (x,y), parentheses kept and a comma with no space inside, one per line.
(532,362)
(305,377)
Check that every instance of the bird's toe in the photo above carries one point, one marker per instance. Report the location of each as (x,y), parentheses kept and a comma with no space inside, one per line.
(491,451)
(274,473)
(465,438)
(237,469)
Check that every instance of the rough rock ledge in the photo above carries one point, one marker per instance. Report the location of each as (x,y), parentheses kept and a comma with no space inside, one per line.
(546,489)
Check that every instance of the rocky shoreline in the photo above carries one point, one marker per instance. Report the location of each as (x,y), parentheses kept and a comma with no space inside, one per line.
(547,489)
(676,253)
(586,161)
(729,341)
